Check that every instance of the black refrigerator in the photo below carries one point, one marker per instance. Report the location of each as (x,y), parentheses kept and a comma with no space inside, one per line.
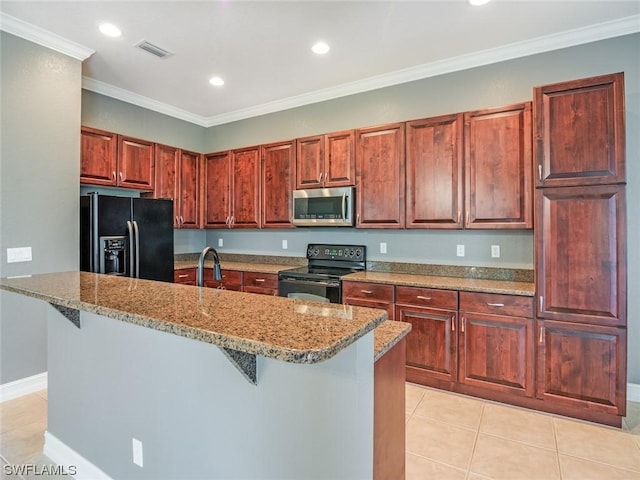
(126,236)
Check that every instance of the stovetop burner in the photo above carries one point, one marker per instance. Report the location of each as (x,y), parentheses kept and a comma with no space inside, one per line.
(330,261)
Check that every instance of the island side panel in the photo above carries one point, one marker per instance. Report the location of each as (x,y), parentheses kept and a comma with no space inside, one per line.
(196,415)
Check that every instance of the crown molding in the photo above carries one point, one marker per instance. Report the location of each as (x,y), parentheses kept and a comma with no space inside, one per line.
(43,37)
(141,101)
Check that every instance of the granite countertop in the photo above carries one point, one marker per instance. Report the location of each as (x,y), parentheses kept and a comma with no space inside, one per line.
(387,335)
(232,265)
(449,283)
(290,330)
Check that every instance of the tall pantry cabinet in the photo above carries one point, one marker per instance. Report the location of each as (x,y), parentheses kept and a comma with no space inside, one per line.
(580,242)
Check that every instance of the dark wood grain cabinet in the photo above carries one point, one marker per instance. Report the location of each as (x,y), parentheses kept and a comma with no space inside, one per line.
(185,276)
(278,179)
(579,132)
(367,294)
(326,160)
(110,159)
(262,283)
(231,280)
(380,177)
(232,189)
(498,168)
(434,163)
(178,177)
(432,343)
(496,343)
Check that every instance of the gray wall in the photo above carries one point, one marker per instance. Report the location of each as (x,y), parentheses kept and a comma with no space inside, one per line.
(492,85)
(40,164)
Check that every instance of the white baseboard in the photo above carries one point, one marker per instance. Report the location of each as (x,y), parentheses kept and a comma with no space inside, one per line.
(23,386)
(633,392)
(62,455)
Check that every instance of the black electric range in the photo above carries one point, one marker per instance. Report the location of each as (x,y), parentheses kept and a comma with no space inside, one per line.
(320,279)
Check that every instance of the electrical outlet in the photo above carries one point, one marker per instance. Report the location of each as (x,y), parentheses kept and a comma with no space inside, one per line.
(383,247)
(137,452)
(20,254)
(220,242)
(460,250)
(495,251)
(285,244)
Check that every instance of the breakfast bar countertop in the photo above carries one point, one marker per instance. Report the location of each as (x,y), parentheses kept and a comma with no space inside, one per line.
(290,330)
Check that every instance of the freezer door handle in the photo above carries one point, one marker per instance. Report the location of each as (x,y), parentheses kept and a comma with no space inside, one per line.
(136,231)
(132,249)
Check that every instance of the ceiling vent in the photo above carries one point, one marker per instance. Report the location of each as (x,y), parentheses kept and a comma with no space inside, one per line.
(153,49)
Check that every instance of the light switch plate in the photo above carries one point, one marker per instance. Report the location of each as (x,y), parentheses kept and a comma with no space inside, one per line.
(495,251)
(220,242)
(19,254)
(383,247)
(460,250)
(285,244)
(137,452)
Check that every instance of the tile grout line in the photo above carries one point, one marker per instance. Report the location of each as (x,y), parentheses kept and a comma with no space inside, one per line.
(555,441)
(475,441)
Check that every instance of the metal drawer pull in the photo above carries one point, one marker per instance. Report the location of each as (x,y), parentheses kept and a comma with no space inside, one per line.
(183,275)
(259,280)
(423,298)
(495,304)
(368,292)
(541,339)
(453,324)
(464,321)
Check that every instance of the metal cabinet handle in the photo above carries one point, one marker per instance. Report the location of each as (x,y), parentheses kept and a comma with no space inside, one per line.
(183,275)
(495,304)
(320,178)
(467,218)
(358,219)
(453,324)
(233,220)
(541,337)
(121,176)
(114,175)
(464,321)
(459,216)
(423,298)
(181,220)
(259,280)
(344,207)
(366,292)
(540,171)
(541,302)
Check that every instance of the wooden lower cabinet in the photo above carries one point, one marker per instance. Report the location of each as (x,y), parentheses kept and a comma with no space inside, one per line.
(231,280)
(263,283)
(185,276)
(582,366)
(389,414)
(372,295)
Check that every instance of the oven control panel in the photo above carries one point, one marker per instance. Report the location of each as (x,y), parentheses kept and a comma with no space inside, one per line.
(317,251)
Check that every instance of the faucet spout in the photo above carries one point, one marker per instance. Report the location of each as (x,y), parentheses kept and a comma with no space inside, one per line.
(217,271)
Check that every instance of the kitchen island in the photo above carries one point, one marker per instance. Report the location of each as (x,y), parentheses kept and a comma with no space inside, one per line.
(214,384)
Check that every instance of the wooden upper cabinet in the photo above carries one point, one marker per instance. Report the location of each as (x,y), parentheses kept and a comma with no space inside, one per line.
(579,132)
(189,189)
(245,188)
(581,255)
(216,203)
(99,153)
(498,168)
(166,185)
(278,178)
(326,160)
(115,160)
(434,172)
(380,176)
(136,166)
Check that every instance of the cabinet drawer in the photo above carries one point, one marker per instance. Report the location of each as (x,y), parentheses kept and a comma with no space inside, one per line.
(427,297)
(262,280)
(497,304)
(373,291)
(231,279)
(185,275)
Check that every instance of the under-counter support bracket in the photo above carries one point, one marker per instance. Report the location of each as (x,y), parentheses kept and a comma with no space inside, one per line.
(72,314)
(244,362)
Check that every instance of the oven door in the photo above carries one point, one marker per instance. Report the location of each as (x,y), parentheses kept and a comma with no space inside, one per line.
(319,291)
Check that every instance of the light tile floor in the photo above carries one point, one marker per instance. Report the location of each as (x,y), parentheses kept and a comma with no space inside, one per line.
(449,437)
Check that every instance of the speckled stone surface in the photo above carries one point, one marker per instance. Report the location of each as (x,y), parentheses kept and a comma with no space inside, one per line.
(449,283)
(245,263)
(285,329)
(459,271)
(387,335)
(230,265)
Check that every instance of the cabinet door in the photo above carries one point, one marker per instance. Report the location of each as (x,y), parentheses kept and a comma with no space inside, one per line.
(371,303)
(245,188)
(278,174)
(167,174)
(380,177)
(216,211)
(340,159)
(582,366)
(496,353)
(434,172)
(580,132)
(309,162)
(136,165)
(498,168)
(580,256)
(98,154)
(431,344)
(189,190)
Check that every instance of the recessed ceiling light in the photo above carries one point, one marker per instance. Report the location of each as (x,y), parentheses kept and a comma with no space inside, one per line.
(477,3)
(320,48)
(110,30)
(216,81)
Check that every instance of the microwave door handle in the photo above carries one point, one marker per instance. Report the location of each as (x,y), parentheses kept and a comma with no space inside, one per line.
(344,207)
(137,232)
(132,249)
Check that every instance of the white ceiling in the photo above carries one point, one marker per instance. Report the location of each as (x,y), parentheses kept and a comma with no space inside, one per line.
(262,48)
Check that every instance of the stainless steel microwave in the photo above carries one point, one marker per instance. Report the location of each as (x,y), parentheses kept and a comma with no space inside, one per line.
(323,207)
